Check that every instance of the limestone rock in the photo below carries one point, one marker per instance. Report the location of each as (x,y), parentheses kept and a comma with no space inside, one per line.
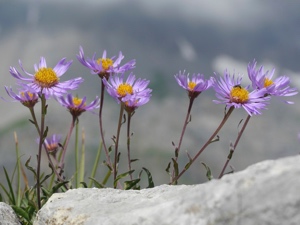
(7,215)
(264,193)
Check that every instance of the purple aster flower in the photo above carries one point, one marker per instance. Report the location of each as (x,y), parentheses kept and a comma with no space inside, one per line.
(123,90)
(275,87)
(132,102)
(231,93)
(194,86)
(52,143)
(76,105)
(104,66)
(26,96)
(46,80)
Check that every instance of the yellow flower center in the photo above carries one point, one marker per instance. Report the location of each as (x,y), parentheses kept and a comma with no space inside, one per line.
(239,94)
(28,92)
(105,63)
(268,82)
(46,77)
(77,101)
(124,89)
(191,85)
(52,147)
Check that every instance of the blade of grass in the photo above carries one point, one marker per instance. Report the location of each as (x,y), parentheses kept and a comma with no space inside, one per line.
(76,156)
(18,171)
(82,160)
(95,164)
(13,199)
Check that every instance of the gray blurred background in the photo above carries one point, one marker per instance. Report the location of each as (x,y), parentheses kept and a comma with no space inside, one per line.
(164,37)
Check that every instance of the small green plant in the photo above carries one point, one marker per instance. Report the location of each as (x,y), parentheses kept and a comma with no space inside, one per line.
(130,94)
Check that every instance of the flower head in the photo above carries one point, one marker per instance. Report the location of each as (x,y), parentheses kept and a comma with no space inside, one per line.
(26,96)
(231,93)
(135,101)
(76,105)
(124,90)
(51,143)
(194,86)
(45,80)
(105,66)
(275,87)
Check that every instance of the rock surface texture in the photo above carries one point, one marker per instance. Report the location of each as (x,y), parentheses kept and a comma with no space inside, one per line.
(264,193)
(7,215)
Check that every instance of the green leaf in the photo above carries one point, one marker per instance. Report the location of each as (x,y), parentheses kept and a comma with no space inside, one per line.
(187,166)
(46,192)
(208,171)
(84,184)
(58,185)
(30,168)
(47,176)
(21,212)
(130,184)
(6,192)
(45,133)
(96,183)
(176,170)
(133,160)
(108,166)
(168,168)
(150,180)
(122,176)
(176,152)
(217,138)
(10,188)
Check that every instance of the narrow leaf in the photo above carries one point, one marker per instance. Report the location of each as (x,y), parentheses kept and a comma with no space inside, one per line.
(130,184)
(122,176)
(168,168)
(96,183)
(133,160)
(30,168)
(10,187)
(208,171)
(150,180)
(21,212)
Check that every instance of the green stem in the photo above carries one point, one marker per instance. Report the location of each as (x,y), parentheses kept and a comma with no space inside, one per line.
(106,177)
(93,173)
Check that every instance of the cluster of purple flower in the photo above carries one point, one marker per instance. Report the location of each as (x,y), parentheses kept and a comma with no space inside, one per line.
(46,81)
(132,93)
(229,89)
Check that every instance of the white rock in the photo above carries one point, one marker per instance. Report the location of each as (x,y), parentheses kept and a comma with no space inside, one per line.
(265,193)
(7,215)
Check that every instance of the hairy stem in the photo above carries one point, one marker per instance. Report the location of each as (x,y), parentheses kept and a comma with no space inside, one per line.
(41,141)
(128,142)
(101,126)
(62,160)
(177,149)
(226,116)
(117,141)
(234,146)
